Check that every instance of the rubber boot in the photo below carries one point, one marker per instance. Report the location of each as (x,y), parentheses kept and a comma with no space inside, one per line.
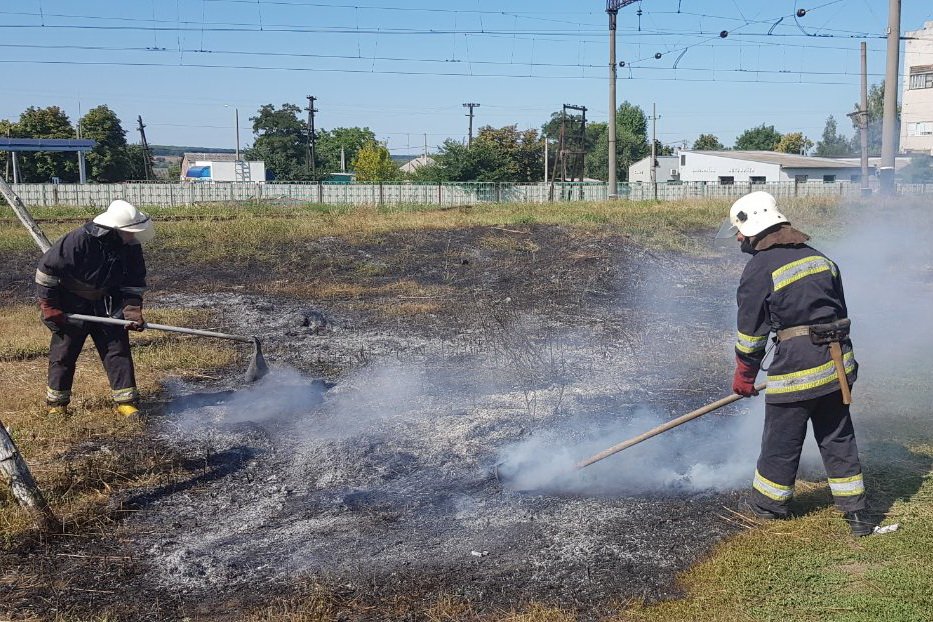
(126,409)
(58,410)
(859,524)
(750,507)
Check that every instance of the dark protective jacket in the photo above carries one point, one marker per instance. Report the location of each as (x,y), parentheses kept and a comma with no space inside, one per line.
(90,266)
(787,283)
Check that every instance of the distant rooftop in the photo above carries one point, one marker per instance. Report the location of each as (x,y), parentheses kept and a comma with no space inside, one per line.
(211,157)
(46,144)
(789,160)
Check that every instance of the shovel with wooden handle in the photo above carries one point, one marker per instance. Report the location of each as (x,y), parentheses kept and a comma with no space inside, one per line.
(664,427)
(257,362)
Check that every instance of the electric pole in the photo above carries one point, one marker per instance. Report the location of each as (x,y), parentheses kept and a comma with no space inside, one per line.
(612,8)
(891,87)
(861,117)
(471,106)
(147,161)
(654,150)
(311,137)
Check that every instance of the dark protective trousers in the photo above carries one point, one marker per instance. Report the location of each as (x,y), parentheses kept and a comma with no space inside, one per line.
(781,444)
(113,346)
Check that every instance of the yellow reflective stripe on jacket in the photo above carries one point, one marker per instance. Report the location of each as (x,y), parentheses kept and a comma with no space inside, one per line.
(796,270)
(847,486)
(749,343)
(771,489)
(812,378)
(47,280)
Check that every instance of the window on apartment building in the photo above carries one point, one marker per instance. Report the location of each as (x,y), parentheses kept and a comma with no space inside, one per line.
(683,160)
(757,180)
(800,179)
(921,80)
(924,128)
(726,181)
(829,179)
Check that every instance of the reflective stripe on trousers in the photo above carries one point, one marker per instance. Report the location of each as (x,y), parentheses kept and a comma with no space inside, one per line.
(771,489)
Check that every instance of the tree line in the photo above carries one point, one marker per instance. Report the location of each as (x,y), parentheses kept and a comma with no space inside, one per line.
(497,154)
(112,160)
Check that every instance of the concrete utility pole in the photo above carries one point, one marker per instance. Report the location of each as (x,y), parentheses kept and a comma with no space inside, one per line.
(471,106)
(863,120)
(891,87)
(142,140)
(311,137)
(654,151)
(612,8)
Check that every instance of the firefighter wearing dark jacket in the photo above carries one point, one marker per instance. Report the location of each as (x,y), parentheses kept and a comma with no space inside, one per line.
(794,291)
(97,269)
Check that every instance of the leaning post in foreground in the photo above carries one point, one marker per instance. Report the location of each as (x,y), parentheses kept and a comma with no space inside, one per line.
(24,487)
(12,465)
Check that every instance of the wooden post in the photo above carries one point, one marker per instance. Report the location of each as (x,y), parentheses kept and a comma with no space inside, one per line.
(23,214)
(24,487)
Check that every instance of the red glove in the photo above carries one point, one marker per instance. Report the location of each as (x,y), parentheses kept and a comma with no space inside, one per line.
(51,313)
(743,382)
(134,313)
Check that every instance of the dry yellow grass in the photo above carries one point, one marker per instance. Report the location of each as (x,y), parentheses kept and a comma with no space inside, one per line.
(78,488)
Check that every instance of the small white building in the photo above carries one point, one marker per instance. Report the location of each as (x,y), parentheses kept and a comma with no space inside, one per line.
(729,167)
(917,93)
(667,168)
(205,167)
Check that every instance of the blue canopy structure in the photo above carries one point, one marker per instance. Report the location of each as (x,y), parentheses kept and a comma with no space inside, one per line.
(46,144)
(81,146)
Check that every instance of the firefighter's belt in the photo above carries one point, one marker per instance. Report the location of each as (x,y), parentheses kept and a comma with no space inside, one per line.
(790,333)
(82,289)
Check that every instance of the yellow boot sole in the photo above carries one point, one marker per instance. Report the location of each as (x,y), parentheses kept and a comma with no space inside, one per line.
(126,410)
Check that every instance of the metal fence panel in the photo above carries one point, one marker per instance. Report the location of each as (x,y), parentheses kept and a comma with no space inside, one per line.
(176,194)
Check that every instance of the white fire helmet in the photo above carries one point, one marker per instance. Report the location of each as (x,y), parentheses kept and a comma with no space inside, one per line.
(124,216)
(754,213)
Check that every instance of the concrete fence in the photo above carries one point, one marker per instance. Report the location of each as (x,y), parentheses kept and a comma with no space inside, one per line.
(176,194)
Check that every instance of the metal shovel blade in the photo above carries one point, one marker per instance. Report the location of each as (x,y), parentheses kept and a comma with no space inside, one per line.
(257,363)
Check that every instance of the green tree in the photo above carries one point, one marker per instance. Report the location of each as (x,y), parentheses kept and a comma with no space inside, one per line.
(174,171)
(832,144)
(794,142)
(481,161)
(329,142)
(109,161)
(38,167)
(281,142)
(374,163)
(761,138)
(631,143)
(6,131)
(137,158)
(707,142)
(875,118)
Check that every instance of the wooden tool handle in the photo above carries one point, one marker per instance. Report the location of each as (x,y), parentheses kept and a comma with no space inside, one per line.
(835,350)
(664,427)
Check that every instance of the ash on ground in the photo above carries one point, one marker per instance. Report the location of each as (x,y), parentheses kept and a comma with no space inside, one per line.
(423,452)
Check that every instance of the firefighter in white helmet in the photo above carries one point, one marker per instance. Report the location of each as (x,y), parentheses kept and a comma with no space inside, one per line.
(794,291)
(96,269)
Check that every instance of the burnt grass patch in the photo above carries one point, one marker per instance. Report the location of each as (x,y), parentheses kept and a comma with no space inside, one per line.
(365,466)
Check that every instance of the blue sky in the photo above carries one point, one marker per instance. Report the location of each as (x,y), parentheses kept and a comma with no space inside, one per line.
(404,68)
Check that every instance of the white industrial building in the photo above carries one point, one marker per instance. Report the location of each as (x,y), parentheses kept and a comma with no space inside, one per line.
(666,169)
(207,167)
(729,167)
(917,94)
